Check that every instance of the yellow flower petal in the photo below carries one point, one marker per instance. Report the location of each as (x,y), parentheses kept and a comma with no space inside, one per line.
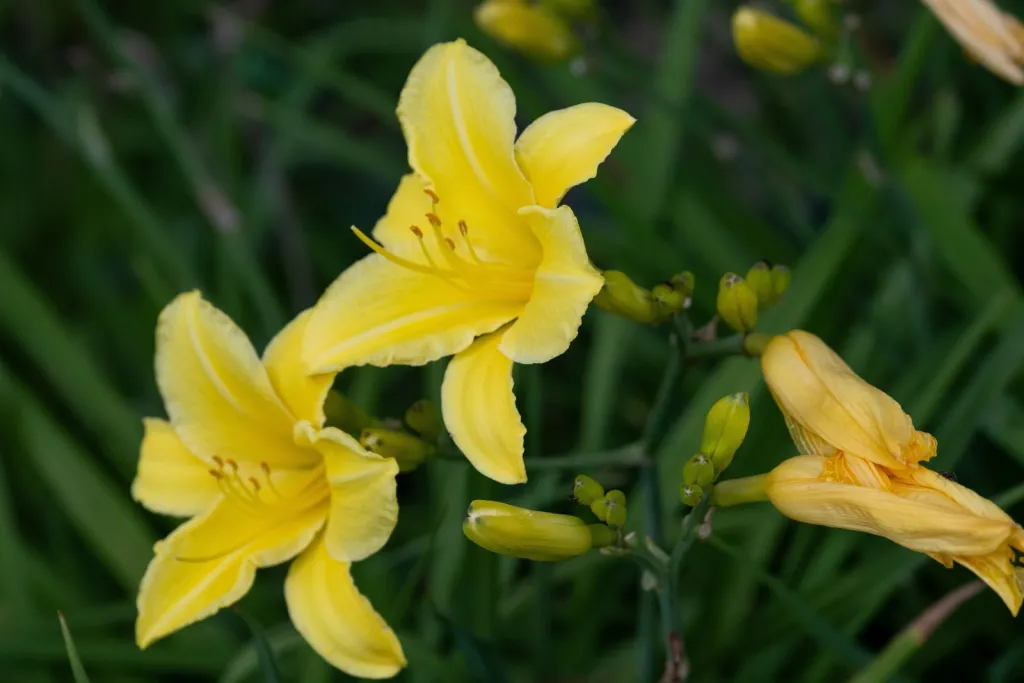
(216,390)
(303,394)
(171,480)
(1001,576)
(480,411)
(336,620)
(210,561)
(408,206)
(563,287)
(563,148)
(915,523)
(986,33)
(458,116)
(379,313)
(828,407)
(364,502)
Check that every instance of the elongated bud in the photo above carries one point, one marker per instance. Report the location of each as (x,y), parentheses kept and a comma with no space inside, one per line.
(531,535)
(623,297)
(409,451)
(690,494)
(585,490)
(422,417)
(345,415)
(759,277)
(737,303)
(699,470)
(532,29)
(611,509)
(781,277)
(818,16)
(602,536)
(771,44)
(725,428)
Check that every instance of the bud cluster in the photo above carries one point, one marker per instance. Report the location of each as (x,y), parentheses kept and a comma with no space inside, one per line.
(740,300)
(609,508)
(623,297)
(725,427)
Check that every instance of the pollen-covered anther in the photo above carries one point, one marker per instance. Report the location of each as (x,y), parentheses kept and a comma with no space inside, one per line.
(416,231)
(463,228)
(433,196)
(450,243)
(434,220)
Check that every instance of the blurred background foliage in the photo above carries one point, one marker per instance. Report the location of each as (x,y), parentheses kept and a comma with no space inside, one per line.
(149,148)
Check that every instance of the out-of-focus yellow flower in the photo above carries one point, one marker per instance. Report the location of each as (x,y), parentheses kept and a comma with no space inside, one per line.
(247,457)
(991,36)
(916,508)
(531,535)
(769,43)
(828,408)
(528,27)
(474,258)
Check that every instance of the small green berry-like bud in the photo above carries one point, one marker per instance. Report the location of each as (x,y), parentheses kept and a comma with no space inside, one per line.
(699,470)
(781,277)
(344,414)
(759,277)
(531,535)
(585,490)
(408,450)
(668,298)
(771,44)
(683,282)
(737,303)
(690,494)
(601,536)
(422,418)
(725,428)
(615,506)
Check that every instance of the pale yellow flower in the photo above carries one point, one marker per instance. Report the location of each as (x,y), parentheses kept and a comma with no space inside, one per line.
(828,408)
(916,508)
(991,36)
(474,257)
(246,457)
(529,27)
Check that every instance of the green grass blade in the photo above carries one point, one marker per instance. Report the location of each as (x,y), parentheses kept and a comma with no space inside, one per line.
(77,670)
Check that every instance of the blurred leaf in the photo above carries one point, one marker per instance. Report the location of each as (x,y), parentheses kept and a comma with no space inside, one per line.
(77,670)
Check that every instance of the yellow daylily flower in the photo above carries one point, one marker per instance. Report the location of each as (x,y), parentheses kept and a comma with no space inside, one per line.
(246,456)
(988,34)
(918,508)
(473,247)
(828,408)
(528,27)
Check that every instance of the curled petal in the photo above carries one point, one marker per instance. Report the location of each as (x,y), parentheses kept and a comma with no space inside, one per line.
(303,394)
(170,479)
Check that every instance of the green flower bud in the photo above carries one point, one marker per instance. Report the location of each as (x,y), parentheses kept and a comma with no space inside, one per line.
(408,450)
(699,470)
(585,490)
(602,536)
(737,303)
(668,298)
(345,415)
(623,297)
(532,29)
(683,282)
(422,418)
(818,15)
(759,277)
(531,535)
(771,44)
(725,428)
(690,494)
(781,277)
(615,506)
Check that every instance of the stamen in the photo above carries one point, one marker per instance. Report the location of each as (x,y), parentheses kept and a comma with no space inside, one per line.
(433,196)
(464,229)
(434,220)
(416,231)
(397,260)
(450,243)
(270,482)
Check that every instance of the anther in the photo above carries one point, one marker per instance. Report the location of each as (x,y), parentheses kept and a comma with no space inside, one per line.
(450,243)
(433,196)
(231,463)
(265,467)
(216,474)
(463,228)
(416,231)
(220,461)
(434,220)
(255,484)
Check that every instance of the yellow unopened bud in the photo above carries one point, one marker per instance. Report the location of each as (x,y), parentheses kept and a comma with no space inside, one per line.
(345,415)
(690,494)
(771,44)
(408,450)
(531,535)
(737,303)
(422,418)
(623,297)
(529,28)
(759,277)
(585,490)
(781,277)
(615,508)
(699,470)
(602,536)
(668,298)
(818,15)
(725,428)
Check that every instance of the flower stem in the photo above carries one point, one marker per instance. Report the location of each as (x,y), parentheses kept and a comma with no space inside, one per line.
(740,491)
